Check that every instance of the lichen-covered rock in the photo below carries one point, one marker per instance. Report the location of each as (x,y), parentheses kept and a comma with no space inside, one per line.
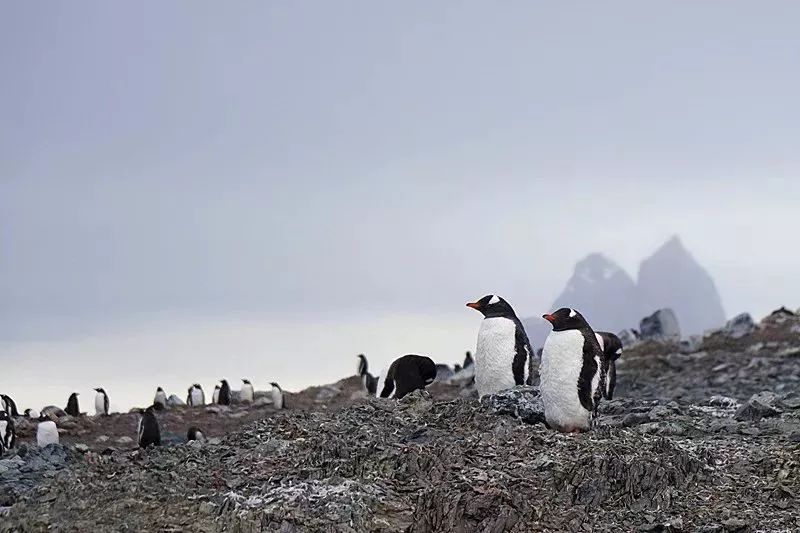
(523,402)
(761,405)
(739,326)
(175,401)
(628,337)
(661,326)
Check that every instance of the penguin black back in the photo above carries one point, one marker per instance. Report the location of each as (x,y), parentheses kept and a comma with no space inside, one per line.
(72,405)
(363,366)
(408,373)
(9,406)
(149,431)
(8,434)
(224,393)
(612,350)
(468,361)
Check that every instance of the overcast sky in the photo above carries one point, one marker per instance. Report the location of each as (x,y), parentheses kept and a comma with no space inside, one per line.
(317,159)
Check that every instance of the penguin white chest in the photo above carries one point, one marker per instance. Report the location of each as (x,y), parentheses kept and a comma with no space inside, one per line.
(3,432)
(277,398)
(247,393)
(197,397)
(562,359)
(100,404)
(494,355)
(46,433)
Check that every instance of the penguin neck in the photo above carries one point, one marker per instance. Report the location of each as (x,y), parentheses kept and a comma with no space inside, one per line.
(501,314)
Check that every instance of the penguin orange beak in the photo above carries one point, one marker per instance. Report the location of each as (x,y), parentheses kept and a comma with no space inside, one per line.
(474,305)
(549,318)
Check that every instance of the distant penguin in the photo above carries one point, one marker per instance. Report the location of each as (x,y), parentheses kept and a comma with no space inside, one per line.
(278,401)
(101,402)
(51,411)
(46,432)
(215,395)
(8,434)
(572,372)
(406,374)
(443,372)
(32,414)
(368,381)
(196,396)
(224,393)
(9,406)
(194,433)
(468,360)
(160,400)
(72,405)
(247,394)
(457,368)
(612,350)
(503,357)
(149,432)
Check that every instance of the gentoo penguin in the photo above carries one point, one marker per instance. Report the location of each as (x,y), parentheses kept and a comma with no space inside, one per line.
(9,406)
(8,434)
(503,355)
(72,405)
(32,413)
(406,374)
(278,401)
(160,400)
(101,402)
(196,395)
(468,360)
(457,368)
(51,411)
(247,393)
(149,432)
(572,372)
(215,395)
(368,381)
(612,350)
(46,432)
(194,433)
(224,393)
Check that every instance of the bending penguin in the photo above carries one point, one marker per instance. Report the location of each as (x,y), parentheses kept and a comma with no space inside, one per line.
(215,395)
(32,413)
(611,345)
(160,400)
(72,405)
(224,393)
(572,372)
(247,393)
(8,433)
(278,401)
(8,405)
(406,374)
(368,381)
(46,432)
(503,357)
(101,402)
(194,433)
(196,396)
(149,432)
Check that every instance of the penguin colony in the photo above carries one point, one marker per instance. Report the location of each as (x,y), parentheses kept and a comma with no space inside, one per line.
(577,368)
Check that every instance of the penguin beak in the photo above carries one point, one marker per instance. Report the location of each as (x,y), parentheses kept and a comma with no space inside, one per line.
(549,318)
(474,305)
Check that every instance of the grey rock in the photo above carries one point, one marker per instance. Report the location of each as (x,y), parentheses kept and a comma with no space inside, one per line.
(523,402)
(761,405)
(691,345)
(326,393)
(661,326)
(628,337)
(739,326)
(82,448)
(124,440)
(175,401)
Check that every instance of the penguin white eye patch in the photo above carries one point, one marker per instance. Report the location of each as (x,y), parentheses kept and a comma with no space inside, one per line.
(493,300)
(572,313)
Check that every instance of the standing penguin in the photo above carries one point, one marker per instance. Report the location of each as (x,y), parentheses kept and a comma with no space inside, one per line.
(215,395)
(368,381)
(572,372)
(101,402)
(72,405)
(8,405)
(160,400)
(32,413)
(8,434)
(247,393)
(406,374)
(612,350)
(503,356)
(149,432)
(468,361)
(278,401)
(46,432)
(224,393)
(196,396)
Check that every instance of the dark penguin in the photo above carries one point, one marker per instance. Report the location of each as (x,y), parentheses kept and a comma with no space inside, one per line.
(8,434)
(9,406)
(408,373)
(457,368)
(503,356)
(224,393)
(72,405)
(194,433)
(612,350)
(149,432)
(468,361)
(572,371)
(368,381)
(101,402)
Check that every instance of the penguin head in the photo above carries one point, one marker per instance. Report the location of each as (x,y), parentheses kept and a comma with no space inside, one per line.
(275,385)
(246,381)
(74,395)
(197,386)
(427,369)
(492,305)
(566,318)
(456,368)
(3,415)
(216,387)
(100,390)
(159,389)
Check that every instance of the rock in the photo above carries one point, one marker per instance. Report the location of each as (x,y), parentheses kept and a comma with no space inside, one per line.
(735,525)
(218,409)
(723,401)
(262,401)
(326,393)
(82,448)
(739,326)
(174,401)
(790,400)
(691,345)
(124,440)
(102,438)
(522,401)
(628,337)
(661,326)
(761,405)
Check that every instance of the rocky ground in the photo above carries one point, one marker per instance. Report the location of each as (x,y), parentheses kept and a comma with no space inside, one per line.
(702,441)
